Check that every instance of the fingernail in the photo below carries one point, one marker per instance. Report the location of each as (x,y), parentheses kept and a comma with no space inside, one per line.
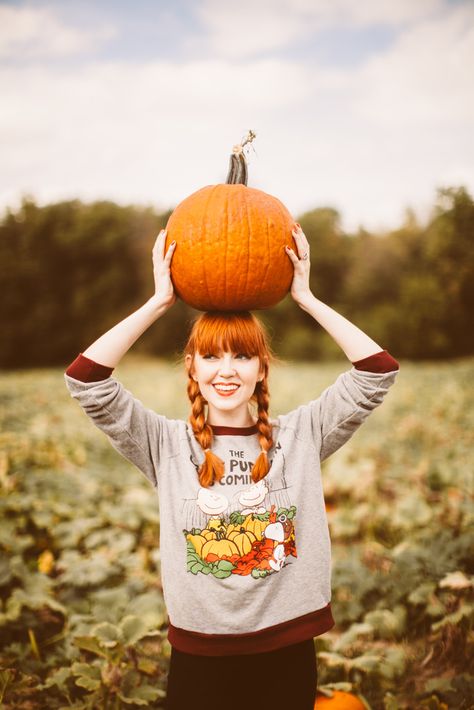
(173,242)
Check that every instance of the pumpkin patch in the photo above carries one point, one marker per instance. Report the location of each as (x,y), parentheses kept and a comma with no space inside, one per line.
(230,241)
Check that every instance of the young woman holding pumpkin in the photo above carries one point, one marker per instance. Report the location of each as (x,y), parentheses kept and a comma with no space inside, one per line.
(245,547)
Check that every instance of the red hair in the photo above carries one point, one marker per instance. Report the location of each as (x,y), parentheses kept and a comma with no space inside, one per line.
(237,332)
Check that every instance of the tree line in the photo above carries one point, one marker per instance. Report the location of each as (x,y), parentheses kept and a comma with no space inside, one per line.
(69,271)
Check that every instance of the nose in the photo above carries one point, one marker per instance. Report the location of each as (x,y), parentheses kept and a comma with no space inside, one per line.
(226,368)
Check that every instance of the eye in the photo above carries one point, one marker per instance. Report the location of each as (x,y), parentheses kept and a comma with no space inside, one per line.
(243,356)
(208,356)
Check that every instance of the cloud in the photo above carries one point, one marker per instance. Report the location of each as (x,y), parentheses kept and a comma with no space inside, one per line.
(36,32)
(250,28)
(423,77)
(368,140)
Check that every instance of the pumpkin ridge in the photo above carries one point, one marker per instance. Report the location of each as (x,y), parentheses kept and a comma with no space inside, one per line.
(203,244)
(267,269)
(226,280)
(248,242)
(282,209)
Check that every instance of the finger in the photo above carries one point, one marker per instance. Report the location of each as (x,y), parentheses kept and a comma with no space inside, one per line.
(170,252)
(160,237)
(302,245)
(291,254)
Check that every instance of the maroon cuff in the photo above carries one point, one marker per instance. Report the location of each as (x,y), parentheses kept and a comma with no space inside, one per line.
(86,370)
(380,362)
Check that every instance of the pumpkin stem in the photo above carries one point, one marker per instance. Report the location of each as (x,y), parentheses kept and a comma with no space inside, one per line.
(238,174)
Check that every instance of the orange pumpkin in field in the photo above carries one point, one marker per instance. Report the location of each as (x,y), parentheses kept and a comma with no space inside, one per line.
(230,244)
(339,701)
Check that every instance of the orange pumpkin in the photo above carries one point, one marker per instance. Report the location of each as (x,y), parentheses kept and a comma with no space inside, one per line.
(339,701)
(230,244)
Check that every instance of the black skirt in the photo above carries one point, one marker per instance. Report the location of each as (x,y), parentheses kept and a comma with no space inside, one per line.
(285,678)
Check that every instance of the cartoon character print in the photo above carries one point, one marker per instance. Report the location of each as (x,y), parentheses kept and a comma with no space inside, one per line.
(253,539)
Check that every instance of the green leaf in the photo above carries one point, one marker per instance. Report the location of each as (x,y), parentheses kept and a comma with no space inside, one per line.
(85,669)
(225,564)
(150,607)
(386,623)
(141,695)
(390,702)
(422,594)
(88,676)
(332,660)
(393,663)
(368,663)
(88,683)
(132,629)
(58,678)
(109,635)
(465,611)
(354,633)
(195,567)
(89,643)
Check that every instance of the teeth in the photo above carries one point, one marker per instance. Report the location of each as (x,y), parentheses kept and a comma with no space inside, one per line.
(226,388)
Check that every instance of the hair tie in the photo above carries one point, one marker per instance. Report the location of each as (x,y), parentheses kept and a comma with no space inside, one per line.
(207,449)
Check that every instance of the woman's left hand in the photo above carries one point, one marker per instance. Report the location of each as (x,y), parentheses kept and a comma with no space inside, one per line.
(301,263)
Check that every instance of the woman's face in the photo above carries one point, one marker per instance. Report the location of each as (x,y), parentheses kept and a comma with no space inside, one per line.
(227,382)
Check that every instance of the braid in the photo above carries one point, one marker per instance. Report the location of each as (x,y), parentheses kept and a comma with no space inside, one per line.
(212,468)
(261,467)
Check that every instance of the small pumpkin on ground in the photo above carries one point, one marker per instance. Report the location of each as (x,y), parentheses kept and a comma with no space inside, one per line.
(340,700)
(230,242)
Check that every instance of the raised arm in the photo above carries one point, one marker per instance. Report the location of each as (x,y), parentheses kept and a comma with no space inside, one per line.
(109,349)
(332,418)
(138,433)
(353,341)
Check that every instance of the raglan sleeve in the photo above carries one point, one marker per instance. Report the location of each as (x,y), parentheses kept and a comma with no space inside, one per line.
(136,432)
(332,418)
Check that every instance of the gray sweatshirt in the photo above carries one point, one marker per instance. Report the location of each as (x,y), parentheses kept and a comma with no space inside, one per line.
(246,567)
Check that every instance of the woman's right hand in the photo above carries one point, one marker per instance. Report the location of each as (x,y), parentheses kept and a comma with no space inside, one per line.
(164,291)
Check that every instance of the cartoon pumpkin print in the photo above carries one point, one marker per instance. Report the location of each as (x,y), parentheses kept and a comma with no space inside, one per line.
(251,541)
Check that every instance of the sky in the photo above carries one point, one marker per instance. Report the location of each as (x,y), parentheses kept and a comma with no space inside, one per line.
(363,106)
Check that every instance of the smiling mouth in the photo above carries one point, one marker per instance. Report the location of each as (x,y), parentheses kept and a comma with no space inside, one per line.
(226,390)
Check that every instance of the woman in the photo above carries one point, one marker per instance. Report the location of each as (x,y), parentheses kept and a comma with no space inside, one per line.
(245,547)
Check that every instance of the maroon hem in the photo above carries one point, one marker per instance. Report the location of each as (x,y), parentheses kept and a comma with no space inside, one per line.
(87,370)
(269,639)
(379,362)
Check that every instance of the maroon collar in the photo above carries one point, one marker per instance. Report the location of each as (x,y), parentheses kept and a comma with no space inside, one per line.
(234,430)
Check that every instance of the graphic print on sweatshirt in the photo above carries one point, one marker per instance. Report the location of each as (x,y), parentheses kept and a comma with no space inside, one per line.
(250,532)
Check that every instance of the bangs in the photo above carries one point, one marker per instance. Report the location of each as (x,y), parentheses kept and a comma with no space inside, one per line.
(238,333)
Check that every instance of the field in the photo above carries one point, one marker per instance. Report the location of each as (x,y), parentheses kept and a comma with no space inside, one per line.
(82,620)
